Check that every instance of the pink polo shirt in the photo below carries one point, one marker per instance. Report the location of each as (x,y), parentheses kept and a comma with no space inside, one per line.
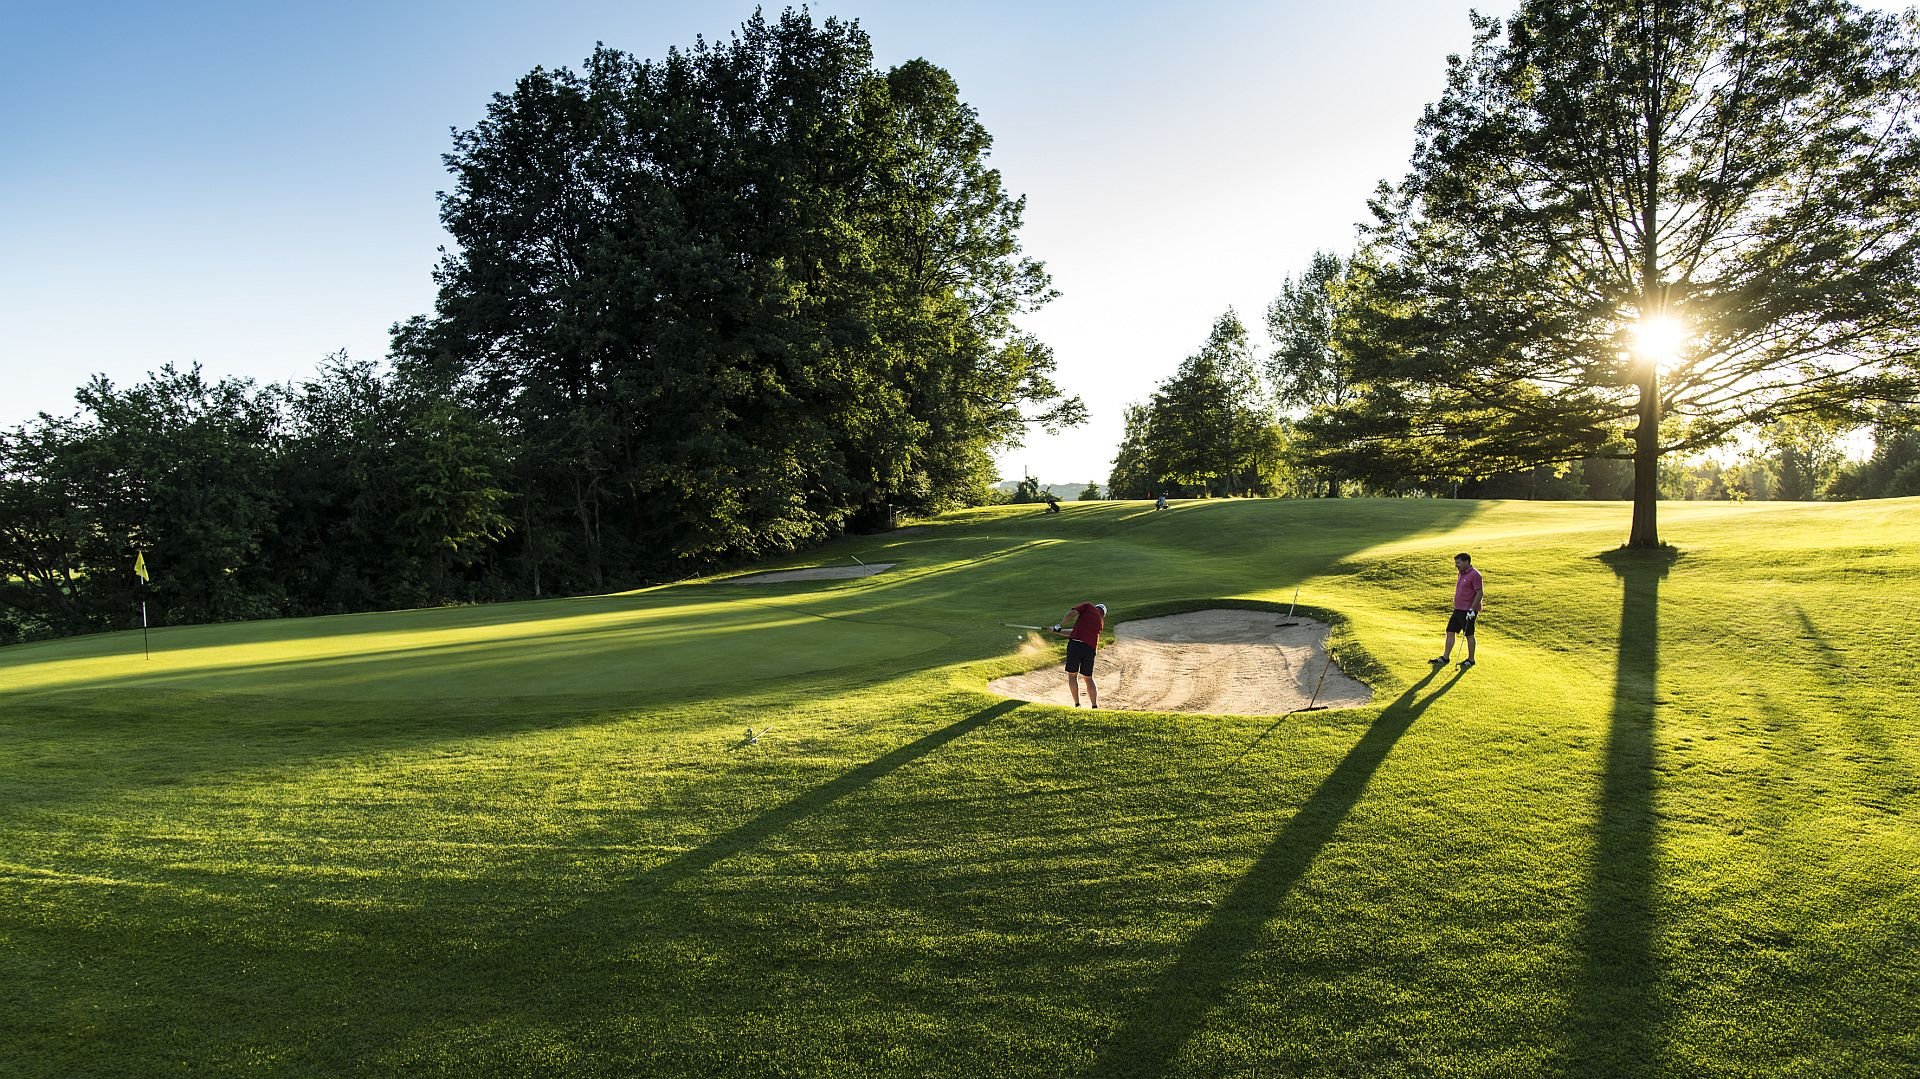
(1467,590)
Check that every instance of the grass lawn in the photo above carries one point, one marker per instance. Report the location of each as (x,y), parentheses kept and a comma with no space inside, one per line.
(1670,825)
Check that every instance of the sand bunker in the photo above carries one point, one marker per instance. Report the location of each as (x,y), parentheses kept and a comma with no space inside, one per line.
(824,573)
(1222,662)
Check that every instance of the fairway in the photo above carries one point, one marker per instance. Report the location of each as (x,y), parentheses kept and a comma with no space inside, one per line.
(1669,826)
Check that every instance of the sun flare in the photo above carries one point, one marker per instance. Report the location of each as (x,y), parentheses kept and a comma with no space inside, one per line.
(1661,339)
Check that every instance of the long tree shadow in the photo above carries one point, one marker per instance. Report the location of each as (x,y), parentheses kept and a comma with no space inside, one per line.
(1174,1011)
(1839,670)
(1617,1007)
(1833,659)
(773,821)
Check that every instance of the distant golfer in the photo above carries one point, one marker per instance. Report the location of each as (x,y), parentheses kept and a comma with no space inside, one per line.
(1160,503)
(1468,595)
(1083,636)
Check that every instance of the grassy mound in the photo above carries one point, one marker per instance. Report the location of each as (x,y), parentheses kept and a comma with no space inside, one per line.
(1667,826)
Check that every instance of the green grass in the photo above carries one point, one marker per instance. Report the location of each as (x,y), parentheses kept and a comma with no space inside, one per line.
(1667,826)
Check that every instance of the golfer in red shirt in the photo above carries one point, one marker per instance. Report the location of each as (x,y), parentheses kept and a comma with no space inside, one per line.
(1083,636)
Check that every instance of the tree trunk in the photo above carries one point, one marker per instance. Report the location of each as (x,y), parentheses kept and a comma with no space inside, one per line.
(1653,304)
(1646,463)
(586,506)
(1333,487)
(531,544)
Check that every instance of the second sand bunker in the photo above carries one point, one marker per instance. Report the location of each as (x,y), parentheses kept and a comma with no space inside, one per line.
(1223,662)
(818,573)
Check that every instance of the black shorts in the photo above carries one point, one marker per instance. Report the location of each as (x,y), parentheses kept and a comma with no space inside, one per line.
(1080,658)
(1462,622)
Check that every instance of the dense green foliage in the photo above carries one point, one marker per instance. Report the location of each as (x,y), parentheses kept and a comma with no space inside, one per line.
(175,462)
(734,300)
(1666,828)
(393,495)
(1893,471)
(1741,172)
(352,491)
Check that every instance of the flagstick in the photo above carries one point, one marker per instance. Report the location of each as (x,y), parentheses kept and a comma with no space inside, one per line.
(140,571)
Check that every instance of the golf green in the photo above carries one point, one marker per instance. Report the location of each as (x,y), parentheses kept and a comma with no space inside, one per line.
(1667,826)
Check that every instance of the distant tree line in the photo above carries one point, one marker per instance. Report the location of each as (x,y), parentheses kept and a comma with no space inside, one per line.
(1287,444)
(352,491)
(700,308)
(1028,489)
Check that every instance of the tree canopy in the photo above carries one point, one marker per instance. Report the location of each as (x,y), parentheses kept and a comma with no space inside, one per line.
(732,300)
(1632,229)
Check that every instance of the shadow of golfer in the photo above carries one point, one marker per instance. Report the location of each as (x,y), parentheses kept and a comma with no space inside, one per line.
(1171,1014)
(757,830)
(1617,1009)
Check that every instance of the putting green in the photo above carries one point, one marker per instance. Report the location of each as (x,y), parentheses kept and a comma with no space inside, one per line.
(1666,827)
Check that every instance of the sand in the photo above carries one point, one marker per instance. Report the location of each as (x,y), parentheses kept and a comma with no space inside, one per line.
(1223,662)
(822,573)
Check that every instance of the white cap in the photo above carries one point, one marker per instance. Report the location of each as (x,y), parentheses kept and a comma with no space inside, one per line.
(1101,607)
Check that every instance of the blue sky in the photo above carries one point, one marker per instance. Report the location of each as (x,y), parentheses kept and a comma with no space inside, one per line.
(251,186)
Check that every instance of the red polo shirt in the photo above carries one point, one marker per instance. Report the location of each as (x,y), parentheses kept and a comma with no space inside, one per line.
(1086,624)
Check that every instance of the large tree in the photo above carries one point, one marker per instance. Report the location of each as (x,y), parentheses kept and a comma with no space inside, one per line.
(1634,227)
(733,299)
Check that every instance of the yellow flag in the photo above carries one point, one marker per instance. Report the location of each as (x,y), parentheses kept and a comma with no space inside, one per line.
(140,566)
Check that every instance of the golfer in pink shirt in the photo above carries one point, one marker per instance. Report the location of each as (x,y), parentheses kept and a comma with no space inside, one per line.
(1468,595)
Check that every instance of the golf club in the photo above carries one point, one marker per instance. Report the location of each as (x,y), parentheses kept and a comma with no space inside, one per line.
(1016,625)
(856,558)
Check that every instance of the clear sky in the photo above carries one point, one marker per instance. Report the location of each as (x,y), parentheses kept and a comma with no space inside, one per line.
(251,186)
